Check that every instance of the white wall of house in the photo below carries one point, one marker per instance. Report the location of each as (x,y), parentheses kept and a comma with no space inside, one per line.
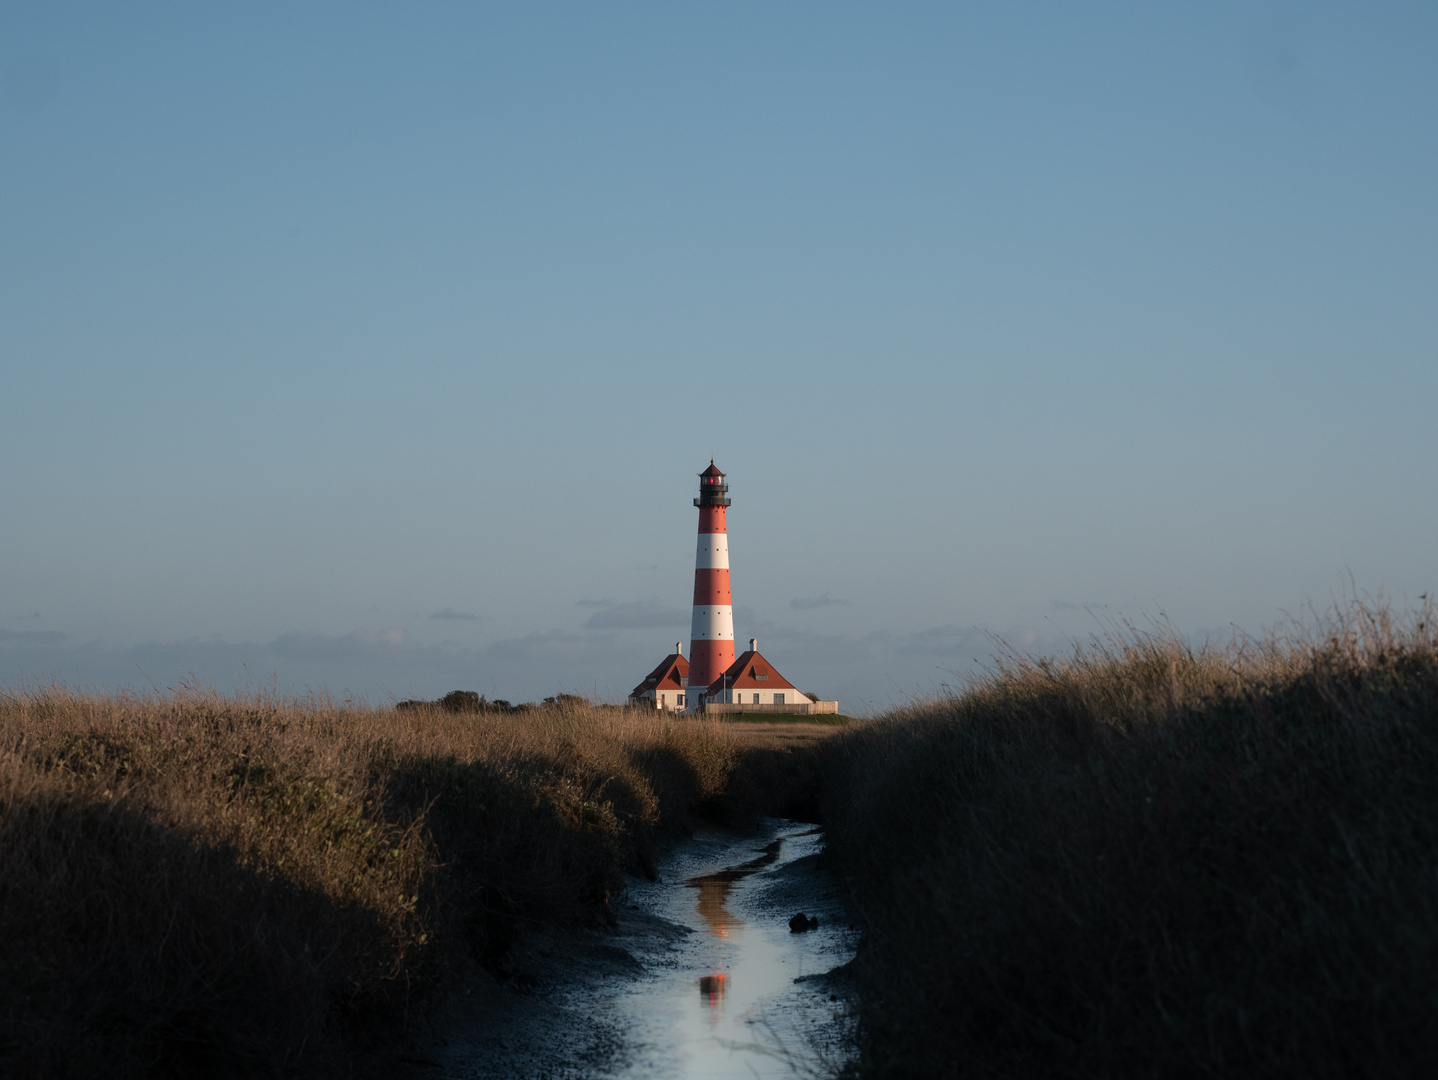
(670,700)
(765,697)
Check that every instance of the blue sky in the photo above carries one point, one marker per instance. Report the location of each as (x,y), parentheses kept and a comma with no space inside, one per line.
(376,348)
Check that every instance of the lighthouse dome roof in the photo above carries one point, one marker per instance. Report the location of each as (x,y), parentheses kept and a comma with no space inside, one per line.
(711,471)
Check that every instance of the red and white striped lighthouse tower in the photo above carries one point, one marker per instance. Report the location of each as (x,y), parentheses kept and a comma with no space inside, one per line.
(711,649)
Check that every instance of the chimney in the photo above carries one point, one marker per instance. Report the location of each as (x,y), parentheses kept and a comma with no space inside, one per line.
(679,648)
(753,644)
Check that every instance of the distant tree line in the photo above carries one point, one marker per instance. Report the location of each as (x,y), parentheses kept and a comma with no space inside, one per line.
(470,701)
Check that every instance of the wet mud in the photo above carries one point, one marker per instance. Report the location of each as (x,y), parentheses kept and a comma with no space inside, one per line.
(702,977)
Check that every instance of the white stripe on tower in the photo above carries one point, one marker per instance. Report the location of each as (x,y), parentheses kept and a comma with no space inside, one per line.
(713,624)
(712,552)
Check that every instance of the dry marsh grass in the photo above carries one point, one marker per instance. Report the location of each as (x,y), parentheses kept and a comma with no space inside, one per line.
(1144,859)
(192,884)
(1152,860)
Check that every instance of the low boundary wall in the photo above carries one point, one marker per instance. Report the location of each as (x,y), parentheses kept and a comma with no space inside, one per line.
(807,708)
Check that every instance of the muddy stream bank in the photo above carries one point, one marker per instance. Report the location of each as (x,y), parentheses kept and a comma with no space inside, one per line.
(702,977)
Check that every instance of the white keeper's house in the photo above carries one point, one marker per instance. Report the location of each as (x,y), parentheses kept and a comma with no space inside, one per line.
(752,684)
(749,685)
(667,686)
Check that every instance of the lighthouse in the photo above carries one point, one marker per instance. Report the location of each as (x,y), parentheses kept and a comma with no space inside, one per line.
(713,681)
(711,649)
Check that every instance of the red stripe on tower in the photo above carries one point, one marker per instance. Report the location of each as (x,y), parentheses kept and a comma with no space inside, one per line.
(711,649)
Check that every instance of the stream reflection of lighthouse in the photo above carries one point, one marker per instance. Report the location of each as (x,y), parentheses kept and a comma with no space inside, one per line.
(711,648)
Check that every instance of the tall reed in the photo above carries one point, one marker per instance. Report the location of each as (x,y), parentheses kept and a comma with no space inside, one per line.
(192,884)
(1150,859)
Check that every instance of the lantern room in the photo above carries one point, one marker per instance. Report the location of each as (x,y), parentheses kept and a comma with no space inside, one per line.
(713,491)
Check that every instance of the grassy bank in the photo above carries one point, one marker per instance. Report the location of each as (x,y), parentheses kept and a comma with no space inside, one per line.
(822,719)
(1150,860)
(1141,860)
(196,885)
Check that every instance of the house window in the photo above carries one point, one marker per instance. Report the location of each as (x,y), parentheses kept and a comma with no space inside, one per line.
(778,699)
(681,699)
(756,699)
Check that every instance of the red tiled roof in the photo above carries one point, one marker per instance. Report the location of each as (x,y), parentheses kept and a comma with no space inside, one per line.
(743,674)
(666,676)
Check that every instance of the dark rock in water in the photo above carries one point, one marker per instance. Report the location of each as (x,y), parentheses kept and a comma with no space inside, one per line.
(460,701)
(801,922)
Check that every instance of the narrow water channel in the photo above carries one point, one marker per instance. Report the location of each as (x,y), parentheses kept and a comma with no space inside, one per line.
(703,979)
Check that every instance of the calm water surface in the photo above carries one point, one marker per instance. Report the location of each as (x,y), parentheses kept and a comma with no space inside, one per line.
(699,980)
(724,1002)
